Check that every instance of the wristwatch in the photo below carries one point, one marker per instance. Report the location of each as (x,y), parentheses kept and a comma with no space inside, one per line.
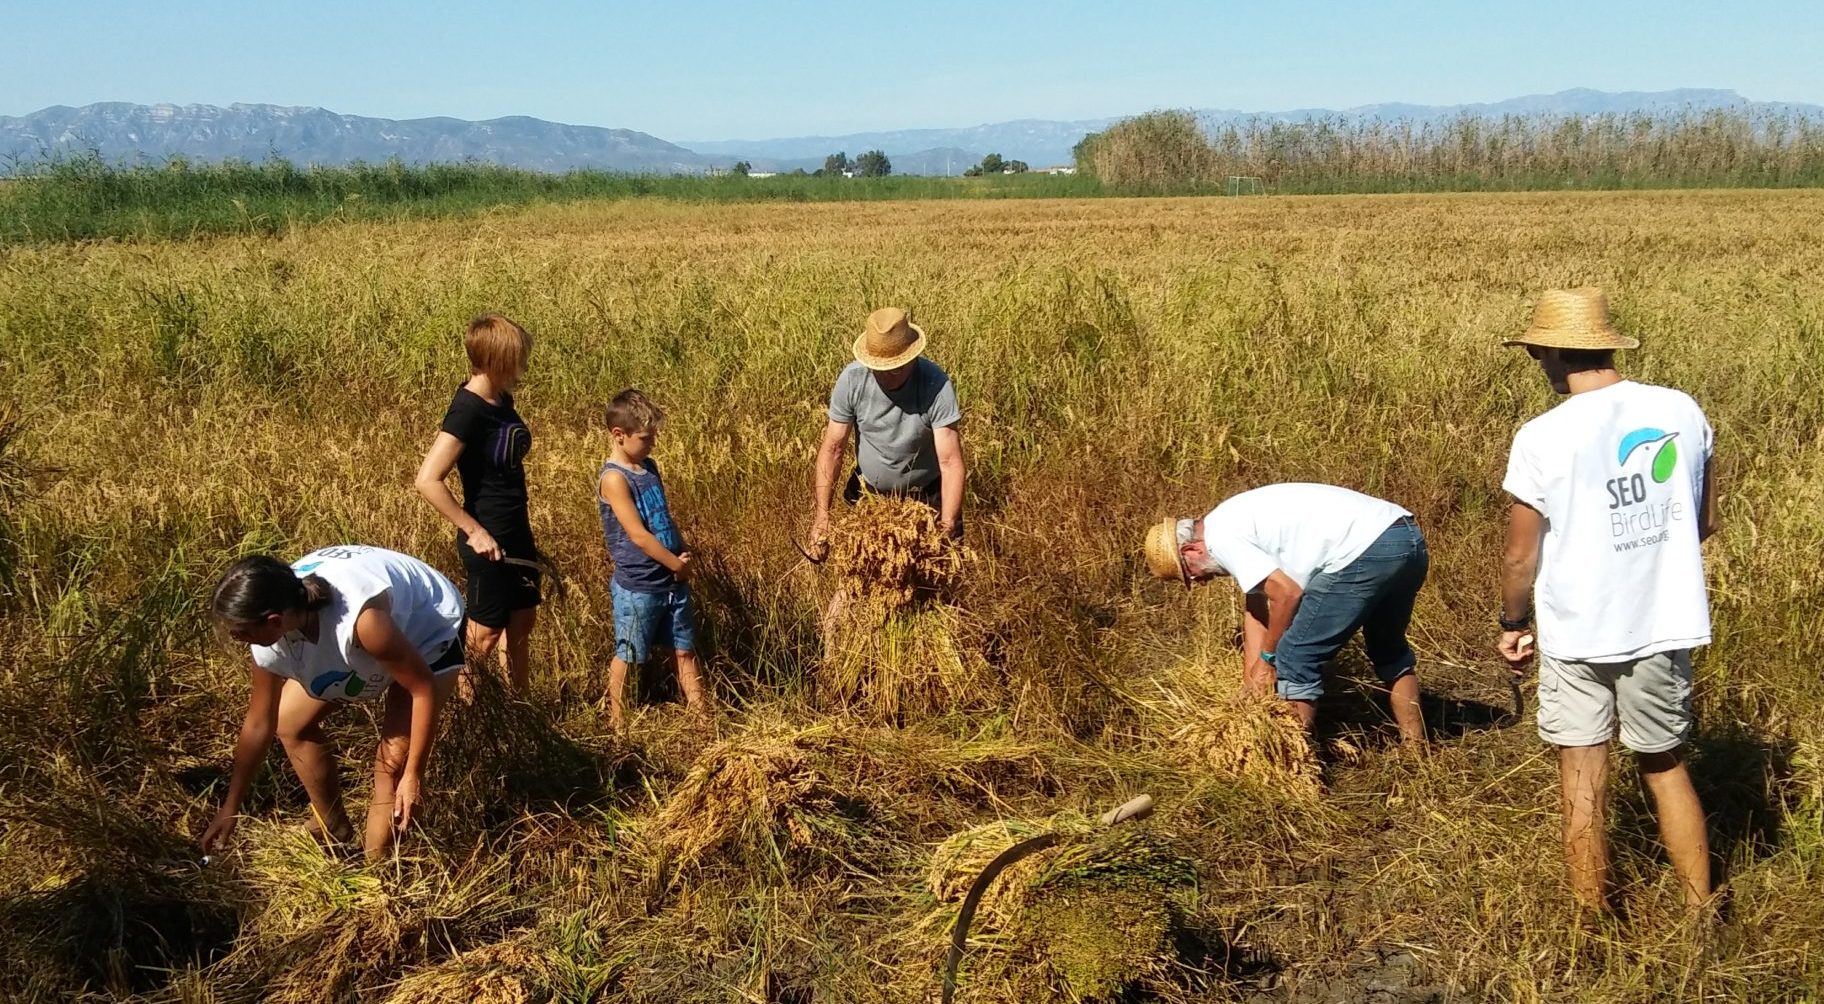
(1269,657)
(1525,621)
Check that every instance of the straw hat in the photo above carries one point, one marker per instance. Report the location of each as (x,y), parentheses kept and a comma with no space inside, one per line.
(1573,319)
(1162,557)
(890,340)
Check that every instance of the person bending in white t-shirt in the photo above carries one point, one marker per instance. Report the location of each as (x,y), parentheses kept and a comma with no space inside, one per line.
(1612,499)
(341,624)
(1317,563)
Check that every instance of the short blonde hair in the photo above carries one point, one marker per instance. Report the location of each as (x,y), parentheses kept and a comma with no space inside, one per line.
(496,346)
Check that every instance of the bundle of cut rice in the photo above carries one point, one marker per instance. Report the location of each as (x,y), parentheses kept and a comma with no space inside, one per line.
(889,554)
(759,801)
(915,663)
(894,648)
(508,972)
(1203,710)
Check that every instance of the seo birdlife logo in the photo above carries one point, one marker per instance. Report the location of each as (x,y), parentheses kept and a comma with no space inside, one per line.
(1646,456)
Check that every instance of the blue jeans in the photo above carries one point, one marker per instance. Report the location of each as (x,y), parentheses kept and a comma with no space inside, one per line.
(644,620)
(1374,594)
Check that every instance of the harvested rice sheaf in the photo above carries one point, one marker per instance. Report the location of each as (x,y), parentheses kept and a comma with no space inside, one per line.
(889,554)
(1203,710)
(759,801)
(1258,738)
(918,662)
(1097,911)
(894,647)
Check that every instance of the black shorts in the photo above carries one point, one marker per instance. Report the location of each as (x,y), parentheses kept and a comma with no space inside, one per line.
(453,656)
(496,588)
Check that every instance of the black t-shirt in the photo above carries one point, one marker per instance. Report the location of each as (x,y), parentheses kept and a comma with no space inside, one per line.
(492,464)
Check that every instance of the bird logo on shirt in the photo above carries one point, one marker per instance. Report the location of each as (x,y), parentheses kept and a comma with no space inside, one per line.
(1665,459)
(320,684)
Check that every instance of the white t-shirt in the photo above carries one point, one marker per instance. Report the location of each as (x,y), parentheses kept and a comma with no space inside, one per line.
(1299,529)
(424,604)
(1618,474)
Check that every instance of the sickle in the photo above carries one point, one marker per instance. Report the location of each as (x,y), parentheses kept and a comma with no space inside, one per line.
(806,555)
(959,935)
(543,566)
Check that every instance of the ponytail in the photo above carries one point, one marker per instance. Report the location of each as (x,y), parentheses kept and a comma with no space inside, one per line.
(256,587)
(317,593)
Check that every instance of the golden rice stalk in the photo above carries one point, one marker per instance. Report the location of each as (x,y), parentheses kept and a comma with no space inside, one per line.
(888,554)
(509,972)
(1203,711)
(912,663)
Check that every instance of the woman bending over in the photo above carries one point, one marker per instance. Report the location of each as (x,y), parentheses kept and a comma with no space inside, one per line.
(341,624)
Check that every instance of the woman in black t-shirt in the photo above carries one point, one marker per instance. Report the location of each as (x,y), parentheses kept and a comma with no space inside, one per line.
(484,439)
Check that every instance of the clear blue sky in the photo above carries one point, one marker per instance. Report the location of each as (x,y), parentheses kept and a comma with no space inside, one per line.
(720,69)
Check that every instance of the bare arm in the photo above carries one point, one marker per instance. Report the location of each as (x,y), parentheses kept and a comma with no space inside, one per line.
(249,751)
(829,459)
(1270,612)
(619,496)
(949,444)
(1254,626)
(1256,674)
(1519,567)
(430,482)
(379,636)
(1283,596)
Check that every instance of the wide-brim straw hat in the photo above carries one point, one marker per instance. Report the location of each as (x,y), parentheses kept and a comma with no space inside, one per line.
(890,340)
(1573,319)
(1161,549)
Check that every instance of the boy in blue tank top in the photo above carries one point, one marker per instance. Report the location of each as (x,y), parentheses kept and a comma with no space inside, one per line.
(651,566)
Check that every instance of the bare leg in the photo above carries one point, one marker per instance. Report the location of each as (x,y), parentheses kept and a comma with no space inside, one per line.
(1306,712)
(300,730)
(1681,821)
(1584,773)
(519,648)
(389,760)
(480,641)
(617,687)
(690,681)
(389,763)
(1405,701)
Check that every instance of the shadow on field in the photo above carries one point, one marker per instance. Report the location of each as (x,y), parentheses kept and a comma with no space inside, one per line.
(501,756)
(125,932)
(1740,777)
(1355,700)
(1206,951)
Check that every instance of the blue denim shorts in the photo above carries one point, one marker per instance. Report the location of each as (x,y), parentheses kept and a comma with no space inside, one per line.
(644,621)
(1374,594)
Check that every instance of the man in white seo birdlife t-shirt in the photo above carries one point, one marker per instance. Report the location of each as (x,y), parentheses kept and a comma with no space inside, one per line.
(1612,499)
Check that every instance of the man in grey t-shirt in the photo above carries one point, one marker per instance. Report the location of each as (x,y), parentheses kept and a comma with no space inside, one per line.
(903,410)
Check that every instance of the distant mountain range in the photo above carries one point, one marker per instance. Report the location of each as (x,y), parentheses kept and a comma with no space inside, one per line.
(118,131)
(121,131)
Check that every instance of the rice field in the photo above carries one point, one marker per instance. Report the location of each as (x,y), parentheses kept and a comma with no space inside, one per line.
(171,405)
